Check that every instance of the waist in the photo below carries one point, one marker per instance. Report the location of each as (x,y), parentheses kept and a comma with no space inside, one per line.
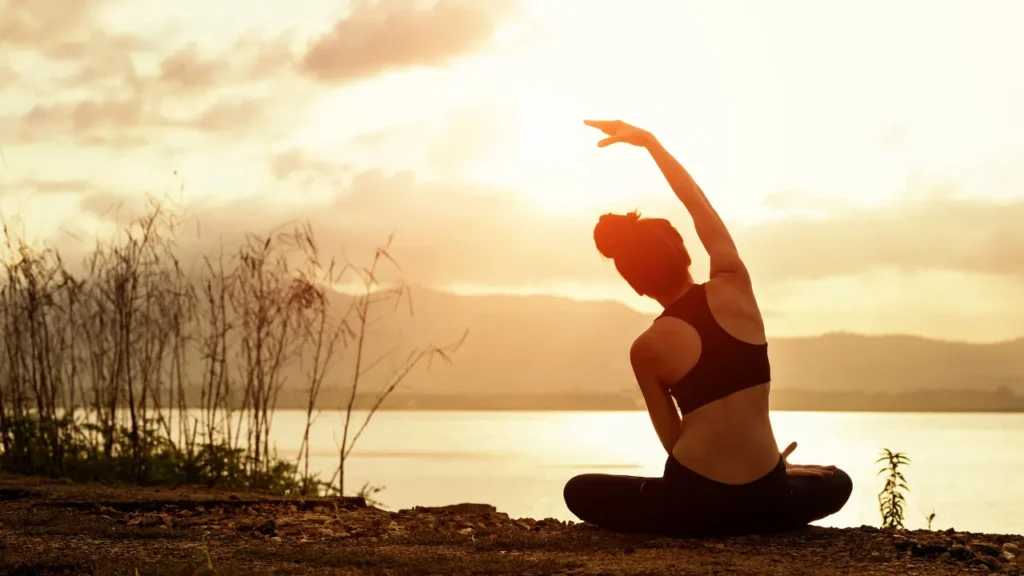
(730,441)
(770,478)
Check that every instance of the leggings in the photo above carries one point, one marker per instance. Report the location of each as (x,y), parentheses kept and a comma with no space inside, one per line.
(684,503)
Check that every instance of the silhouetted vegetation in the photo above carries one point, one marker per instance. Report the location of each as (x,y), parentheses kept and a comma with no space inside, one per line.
(98,374)
(891,498)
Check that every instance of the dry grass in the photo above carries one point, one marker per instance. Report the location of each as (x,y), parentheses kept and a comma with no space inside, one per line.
(98,368)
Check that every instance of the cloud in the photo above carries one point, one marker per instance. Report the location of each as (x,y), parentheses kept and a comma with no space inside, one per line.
(47,23)
(445,233)
(68,32)
(446,144)
(114,121)
(935,232)
(451,233)
(135,120)
(229,116)
(379,36)
(253,58)
(189,69)
(97,96)
(296,163)
(48,186)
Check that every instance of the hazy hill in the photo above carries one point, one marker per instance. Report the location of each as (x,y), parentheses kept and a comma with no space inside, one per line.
(541,344)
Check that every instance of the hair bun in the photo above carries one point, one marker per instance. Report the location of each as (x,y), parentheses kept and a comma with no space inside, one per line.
(614,233)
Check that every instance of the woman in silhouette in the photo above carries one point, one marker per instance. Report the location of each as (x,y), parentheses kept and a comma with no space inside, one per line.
(707,351)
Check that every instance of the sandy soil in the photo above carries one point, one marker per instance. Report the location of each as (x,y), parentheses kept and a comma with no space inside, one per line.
(48,527)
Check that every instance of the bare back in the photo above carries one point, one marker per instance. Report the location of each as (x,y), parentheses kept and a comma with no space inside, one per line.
(729,440)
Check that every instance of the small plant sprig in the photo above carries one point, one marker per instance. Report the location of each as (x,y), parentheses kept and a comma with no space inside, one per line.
(368,492)
(891,498)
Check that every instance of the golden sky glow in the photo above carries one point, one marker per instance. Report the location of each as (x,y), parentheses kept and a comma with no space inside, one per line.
(867,154)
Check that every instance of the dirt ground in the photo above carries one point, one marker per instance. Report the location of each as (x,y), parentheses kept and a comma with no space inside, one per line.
(48,527)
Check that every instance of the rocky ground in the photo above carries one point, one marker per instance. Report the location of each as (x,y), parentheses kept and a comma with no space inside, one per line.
(52,528)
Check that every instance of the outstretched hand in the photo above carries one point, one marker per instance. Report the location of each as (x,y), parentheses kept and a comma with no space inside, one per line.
(804,469)
(619,131)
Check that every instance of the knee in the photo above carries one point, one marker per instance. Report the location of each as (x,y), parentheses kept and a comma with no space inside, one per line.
(573,493)
(840,488)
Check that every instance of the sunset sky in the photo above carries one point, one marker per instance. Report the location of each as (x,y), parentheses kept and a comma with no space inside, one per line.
(867,155)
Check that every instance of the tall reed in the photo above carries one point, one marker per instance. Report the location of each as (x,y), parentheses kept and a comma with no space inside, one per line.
(143,368)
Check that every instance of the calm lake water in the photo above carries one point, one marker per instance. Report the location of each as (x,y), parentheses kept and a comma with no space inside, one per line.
(967,468)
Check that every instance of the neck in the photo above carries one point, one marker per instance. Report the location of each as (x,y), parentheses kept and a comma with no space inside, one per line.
(670,299)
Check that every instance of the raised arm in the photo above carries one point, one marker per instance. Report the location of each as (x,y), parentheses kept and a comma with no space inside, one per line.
(713,234)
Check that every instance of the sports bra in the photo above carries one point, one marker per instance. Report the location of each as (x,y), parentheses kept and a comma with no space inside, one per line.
(726,364)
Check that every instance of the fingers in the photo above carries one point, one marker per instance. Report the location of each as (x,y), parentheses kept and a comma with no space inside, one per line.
(608,141)
(600,124)
(801,470)
(829,468)
(609,127)
(806,472)
(789,449)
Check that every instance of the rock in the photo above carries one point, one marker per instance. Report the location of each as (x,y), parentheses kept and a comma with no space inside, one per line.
(268,527)
(319,518)
(960,552)
(465,508)
(985,548)
(902,543)
(1007,557)
(1011,548)
(988,561)
(1011,569)
(928,548)
(147,520)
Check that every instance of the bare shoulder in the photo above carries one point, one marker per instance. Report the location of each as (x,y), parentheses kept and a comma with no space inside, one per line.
(668,349)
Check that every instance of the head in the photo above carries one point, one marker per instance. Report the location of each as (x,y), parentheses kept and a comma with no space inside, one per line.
(648,253)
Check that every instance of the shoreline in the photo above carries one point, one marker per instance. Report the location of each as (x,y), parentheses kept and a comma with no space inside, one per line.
(49,526)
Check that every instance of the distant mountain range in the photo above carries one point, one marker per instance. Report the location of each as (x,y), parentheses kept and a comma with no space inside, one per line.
(556,353)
